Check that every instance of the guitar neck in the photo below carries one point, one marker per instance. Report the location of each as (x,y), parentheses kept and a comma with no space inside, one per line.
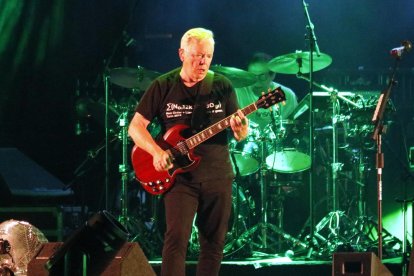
(212,130)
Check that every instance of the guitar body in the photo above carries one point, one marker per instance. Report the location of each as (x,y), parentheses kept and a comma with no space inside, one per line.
(181,149)
(155,182)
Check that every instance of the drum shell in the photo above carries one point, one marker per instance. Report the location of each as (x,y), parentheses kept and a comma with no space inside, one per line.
(290,152)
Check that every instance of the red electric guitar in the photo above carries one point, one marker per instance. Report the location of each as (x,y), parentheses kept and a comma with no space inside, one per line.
(181,149)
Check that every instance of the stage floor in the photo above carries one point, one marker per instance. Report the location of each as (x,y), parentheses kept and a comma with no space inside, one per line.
(277,266)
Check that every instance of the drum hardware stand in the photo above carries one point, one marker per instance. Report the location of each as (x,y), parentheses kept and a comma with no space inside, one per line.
(124,169)
(360,182)
(332,185)
(140,228)
(236,207)
(82,169)
(336,221)
(263,226)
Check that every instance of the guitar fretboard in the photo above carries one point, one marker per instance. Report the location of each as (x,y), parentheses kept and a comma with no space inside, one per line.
(212,130)
(275,96)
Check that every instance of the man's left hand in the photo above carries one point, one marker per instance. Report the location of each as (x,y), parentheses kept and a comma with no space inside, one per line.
(240,125)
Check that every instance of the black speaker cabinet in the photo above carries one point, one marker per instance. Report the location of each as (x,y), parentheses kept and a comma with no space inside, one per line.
(128,261)
(362,264)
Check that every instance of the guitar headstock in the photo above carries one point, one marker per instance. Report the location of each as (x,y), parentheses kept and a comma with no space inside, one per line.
(273,97)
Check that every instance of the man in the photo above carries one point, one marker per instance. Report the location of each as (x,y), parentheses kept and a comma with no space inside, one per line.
(206,190)
(264,81)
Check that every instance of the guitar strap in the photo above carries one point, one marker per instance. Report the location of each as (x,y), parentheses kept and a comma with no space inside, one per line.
(200,118)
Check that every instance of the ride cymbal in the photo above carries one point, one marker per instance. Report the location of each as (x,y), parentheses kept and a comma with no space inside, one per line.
(132,78)
(294,63)
(238,77)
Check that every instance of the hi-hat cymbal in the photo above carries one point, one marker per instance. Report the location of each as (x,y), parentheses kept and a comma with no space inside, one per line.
(137,78)
(238,77)
(298,62)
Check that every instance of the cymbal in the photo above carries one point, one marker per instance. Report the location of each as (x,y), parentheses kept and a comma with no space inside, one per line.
(294,63)
(136,78)
(89,108)
(238,77)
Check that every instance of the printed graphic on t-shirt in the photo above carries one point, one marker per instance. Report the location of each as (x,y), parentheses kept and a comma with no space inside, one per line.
(177,110)
(214,108)
(174,110)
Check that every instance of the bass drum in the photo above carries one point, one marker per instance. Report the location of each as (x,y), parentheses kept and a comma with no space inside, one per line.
(238,223)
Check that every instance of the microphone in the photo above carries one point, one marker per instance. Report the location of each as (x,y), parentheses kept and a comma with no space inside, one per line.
(398,51)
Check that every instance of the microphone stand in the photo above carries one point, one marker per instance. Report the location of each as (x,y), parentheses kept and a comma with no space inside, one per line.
(380,129)
(313,46)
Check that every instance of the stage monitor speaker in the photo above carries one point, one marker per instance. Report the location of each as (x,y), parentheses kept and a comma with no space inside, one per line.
(128,261)
(21,176)
(36,266)
(362,264)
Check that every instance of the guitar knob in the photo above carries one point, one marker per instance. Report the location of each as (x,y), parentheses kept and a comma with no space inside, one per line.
(150,184)
(158,182)
(167,180)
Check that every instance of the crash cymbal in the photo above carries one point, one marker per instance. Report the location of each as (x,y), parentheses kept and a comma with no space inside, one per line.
(298,62)
(238,77)
(136,78)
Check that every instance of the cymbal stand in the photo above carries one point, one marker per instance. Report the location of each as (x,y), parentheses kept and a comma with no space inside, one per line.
(123,169)
(332,220)
(313,47)
(263,193)
(106,83)
(335,165)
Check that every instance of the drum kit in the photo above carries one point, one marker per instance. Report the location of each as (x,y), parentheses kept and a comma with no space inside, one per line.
(268,164)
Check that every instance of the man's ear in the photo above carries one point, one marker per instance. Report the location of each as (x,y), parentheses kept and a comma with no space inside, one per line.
(181,54)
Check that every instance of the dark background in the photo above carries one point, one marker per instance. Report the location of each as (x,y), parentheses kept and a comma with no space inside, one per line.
(54,53)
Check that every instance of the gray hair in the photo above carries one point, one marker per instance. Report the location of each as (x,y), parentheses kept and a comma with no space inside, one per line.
(197,34)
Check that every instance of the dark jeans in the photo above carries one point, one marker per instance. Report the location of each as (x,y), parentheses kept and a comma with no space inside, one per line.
(212,202)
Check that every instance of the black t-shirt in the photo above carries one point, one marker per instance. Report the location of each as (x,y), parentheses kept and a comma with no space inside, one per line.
(172,103)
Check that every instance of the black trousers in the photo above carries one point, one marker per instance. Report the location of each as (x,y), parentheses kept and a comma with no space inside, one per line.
(212,201)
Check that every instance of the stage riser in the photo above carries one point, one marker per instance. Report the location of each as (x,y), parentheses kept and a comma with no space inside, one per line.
(279,270)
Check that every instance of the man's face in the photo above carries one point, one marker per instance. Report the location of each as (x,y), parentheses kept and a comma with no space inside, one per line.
(197,58)
(263,76)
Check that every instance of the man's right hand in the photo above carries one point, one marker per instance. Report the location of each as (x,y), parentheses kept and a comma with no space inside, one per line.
(162,161)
